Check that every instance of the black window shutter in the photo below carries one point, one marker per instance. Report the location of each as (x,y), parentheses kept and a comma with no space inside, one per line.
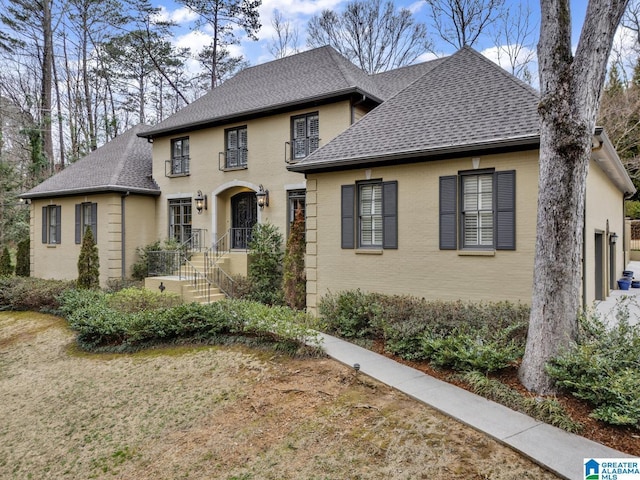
(94,221)
(347,214)
(78,222)
(390,214)
(45,223)
(58,224)
(506,210)
(448,212)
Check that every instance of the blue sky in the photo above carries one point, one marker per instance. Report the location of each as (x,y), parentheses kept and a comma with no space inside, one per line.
(298,12)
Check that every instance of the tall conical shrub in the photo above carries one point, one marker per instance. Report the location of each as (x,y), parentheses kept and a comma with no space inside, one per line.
(294,281)
(88,262)
(6,267)
(23,266)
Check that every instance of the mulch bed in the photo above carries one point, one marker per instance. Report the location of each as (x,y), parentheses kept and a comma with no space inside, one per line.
(623,439)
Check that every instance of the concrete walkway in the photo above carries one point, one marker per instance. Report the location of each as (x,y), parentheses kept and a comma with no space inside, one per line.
(556,450)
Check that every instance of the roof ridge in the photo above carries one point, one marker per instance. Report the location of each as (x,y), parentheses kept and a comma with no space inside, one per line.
(122,159)
(339,60)
(510,76)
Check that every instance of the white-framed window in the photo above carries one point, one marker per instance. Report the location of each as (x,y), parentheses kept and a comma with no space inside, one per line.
(477,210)
(370,215)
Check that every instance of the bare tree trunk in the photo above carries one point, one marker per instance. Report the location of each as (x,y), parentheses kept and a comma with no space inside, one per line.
(60,122)
(570,93)
(47,82)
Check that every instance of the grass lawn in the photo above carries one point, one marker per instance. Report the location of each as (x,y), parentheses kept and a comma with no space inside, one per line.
(204,412)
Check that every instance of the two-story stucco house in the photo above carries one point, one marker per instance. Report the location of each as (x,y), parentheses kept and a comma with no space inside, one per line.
(420,180)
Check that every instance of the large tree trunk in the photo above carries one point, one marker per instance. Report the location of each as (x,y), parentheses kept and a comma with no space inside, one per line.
(570,92)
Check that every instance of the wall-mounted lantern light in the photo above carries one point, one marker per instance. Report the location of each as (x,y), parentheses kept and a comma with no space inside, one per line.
(263,197)
(613,238)
(201,202)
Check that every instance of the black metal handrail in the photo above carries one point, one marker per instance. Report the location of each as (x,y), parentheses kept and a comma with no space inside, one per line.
(177,166)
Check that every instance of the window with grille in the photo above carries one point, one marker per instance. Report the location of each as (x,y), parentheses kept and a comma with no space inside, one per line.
(477,210)
(86,217)
(51,224)
(305,135)
(180,156)
(369,215)
(236,147)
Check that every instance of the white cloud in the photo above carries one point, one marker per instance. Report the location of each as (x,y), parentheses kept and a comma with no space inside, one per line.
(181,15)
(194,40)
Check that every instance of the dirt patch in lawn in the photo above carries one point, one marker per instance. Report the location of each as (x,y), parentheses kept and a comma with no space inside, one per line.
(211,412)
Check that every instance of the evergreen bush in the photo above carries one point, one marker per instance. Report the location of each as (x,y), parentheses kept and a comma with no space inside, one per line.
(88,262)
(6,267)
(265,267)
(295,280)
(23,258)
(603,367)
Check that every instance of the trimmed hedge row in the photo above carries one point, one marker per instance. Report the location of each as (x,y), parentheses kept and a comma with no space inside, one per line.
(105,322)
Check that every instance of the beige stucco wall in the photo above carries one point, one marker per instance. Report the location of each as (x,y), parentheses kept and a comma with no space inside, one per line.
(266,166)
(418,267)
(604,213)
(60,261)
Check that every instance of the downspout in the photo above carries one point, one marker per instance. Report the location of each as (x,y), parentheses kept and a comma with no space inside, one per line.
(123,235)
(353,108)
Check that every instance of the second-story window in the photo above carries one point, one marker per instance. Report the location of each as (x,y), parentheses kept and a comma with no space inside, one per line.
(305,135)
(180,156)
(236,147)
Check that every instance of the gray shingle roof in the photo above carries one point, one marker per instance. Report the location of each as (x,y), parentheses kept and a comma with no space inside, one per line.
(122,165)
(316,74)
(392,81)
(464,103)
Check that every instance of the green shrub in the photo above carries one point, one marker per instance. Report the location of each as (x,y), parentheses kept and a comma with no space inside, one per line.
(350,314)
(632,209)
(6,267)
(108,322)
(487,349)
(145,262)
(294,279)
(25,293)
(23,259)
(265,267)
(130,300)
(242,287)
(88,262)
(603,368)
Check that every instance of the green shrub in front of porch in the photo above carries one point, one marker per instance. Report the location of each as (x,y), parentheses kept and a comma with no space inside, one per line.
(105,322)
(265,267)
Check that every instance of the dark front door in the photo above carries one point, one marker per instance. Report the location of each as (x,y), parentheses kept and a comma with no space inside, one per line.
(244,215)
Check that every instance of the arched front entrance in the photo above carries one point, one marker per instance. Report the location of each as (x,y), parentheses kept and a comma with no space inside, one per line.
(244,215)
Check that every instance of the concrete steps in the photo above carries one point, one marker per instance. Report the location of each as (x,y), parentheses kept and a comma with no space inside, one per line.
(184,287)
